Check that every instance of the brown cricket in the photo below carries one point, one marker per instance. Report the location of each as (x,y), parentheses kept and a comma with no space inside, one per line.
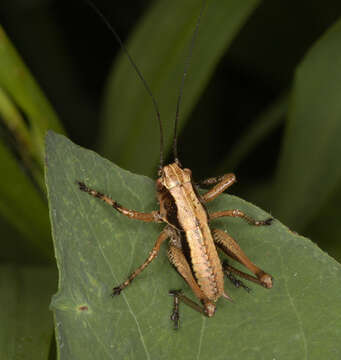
(193,243)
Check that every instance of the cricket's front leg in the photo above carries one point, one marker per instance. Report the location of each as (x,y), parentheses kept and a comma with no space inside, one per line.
(221,184)
(153,216)
(153,254)
(230,247)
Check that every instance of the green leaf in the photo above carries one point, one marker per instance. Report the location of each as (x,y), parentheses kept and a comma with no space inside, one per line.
(308,169)
(22,205)
(27,114)
(159,46)
(27,323)
(96,248)
(24,145)
(17,81)
(325,227)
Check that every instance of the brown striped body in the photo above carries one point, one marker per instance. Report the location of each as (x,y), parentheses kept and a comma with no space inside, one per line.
(175,187)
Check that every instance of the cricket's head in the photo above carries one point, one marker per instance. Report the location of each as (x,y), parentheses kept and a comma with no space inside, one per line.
(173,175)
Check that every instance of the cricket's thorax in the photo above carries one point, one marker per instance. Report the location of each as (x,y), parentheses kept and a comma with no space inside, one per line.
(192,219)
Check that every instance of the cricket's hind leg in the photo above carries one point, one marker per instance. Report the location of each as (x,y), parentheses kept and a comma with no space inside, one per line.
(178,296)
(229,271)
(178,259)
(230,247)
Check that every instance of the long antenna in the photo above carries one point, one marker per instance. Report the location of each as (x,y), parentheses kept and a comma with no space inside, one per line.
(187,63)
(138,72)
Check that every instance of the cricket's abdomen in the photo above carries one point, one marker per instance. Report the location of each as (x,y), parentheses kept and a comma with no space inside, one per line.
(205,263)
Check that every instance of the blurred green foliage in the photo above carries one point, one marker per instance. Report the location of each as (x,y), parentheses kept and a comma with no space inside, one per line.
(269,107)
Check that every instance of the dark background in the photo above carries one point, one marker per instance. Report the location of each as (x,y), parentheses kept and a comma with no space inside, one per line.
(70,52)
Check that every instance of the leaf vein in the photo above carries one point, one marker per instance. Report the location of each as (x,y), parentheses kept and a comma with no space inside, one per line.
(299,320)
(203,326)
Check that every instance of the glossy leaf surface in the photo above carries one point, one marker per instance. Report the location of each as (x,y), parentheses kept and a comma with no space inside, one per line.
(96,248)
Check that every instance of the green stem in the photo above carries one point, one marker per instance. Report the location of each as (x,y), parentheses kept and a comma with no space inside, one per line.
(14,121)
